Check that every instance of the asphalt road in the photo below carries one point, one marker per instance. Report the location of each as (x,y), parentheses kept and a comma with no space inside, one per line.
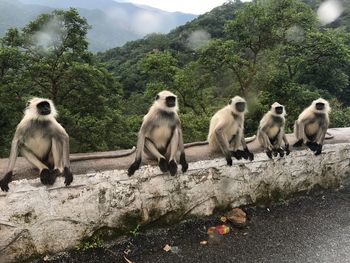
(313,228)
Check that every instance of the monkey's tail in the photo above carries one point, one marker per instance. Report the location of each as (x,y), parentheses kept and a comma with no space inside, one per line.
(329,136)
(192,144)
(250,139)
(105,155)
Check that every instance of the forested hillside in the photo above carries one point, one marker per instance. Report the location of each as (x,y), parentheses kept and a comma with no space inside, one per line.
(112,23)
(266,51)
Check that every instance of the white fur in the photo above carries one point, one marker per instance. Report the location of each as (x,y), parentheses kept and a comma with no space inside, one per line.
(271,131)
(224,117)
(31,111)
(160,102)
(312,109)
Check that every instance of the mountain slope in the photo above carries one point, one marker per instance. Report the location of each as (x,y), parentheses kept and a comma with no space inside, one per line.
(122,60)
(113,24)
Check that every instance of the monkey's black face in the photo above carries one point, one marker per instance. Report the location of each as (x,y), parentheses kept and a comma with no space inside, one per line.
(44,108)
(279,110)
(319,106)
(240,106)
(170,101)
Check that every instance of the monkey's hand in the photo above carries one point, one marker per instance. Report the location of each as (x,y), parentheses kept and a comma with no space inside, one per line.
(183,162)
(172,167)
(68,176)
(135,165)
(4,182)
(298,143)
(319,149)
(249,154)
(286,148)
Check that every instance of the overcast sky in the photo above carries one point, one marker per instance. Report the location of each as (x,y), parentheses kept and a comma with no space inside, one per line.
(186,6)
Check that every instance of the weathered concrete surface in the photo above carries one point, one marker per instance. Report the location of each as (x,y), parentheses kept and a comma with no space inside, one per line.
(36,219)
(196,153)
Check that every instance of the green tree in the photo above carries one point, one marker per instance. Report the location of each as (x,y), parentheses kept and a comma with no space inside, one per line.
(52,60)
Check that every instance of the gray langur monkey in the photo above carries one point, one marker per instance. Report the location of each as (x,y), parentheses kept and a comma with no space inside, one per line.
(42,141)
(160,135)
(271,131)
(226,131)
(311,127)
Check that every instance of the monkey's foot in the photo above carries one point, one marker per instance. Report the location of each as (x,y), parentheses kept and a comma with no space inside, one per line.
(275,153)
(45,176)
(298,143)
(269,154)
(237,154)
(163,165)
(53,176)
(228,160)
(280,151)
(135,165)
(312,146)
(4,182)
(319,149)
(183,163)
(68,176)
(172,167)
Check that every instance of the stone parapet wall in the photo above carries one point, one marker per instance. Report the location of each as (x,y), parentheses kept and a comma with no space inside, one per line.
(36,219)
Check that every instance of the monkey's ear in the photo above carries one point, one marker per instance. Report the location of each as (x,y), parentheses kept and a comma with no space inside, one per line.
(229,102)
(157,97)
(270,107)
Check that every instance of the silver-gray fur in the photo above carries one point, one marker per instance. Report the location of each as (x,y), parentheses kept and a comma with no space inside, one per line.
(42,141)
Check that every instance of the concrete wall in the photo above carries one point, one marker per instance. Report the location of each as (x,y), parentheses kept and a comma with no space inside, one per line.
(36,219)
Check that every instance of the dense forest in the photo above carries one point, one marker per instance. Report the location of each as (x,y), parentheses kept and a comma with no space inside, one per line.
(265,50)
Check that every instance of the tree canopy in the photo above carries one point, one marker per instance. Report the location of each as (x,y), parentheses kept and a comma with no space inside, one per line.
(265,50)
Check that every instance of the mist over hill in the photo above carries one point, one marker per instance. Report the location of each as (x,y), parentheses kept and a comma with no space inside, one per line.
(113,23)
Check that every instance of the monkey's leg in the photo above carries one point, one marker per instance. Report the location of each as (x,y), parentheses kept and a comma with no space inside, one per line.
(68,176)
(57,156)
(174,144)
(4,182)
(277,144)
(299,134)
(246,150)
(44,171)
(183,161)
(265,141)
(234,143)
(223,143)
(320,139)
(286,144)
(162,162)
